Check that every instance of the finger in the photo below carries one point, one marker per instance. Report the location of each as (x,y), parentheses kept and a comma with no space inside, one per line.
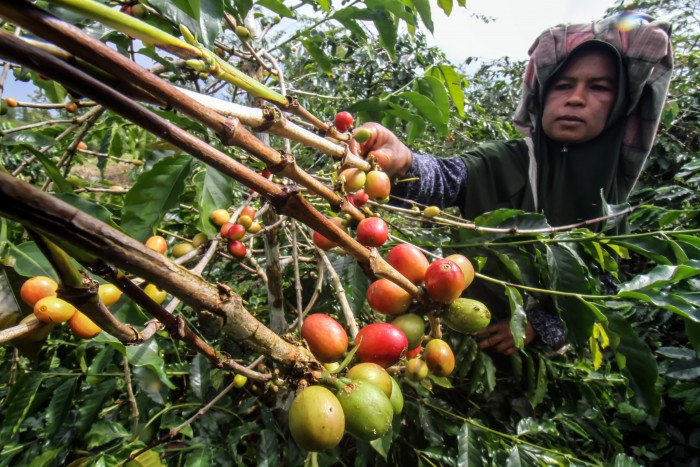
(510,351)
(503,346)
(489,341)
(383,159)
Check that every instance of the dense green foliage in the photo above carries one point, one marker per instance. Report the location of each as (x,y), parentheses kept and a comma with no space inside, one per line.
(625,393)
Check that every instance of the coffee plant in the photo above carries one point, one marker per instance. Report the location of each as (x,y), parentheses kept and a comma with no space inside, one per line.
(196,268)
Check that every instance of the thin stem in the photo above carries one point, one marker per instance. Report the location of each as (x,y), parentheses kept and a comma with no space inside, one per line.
(132,399)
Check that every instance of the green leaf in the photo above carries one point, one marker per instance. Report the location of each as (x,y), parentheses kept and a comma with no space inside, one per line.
(318,55)
(155,192)
(199,376)
(667,301)
(692,329)
(415,128)
(268,449)
(663,275)
(469,449)
(104,432)
(60,405)
(278,7)
(30,261)
(426,108)
(45,459)
(387,29)
(432,434)
(453,82)
(200,457)
(52,90)
(93,209)
(19,401)
(51,170)
(94,403)
(423,8)
(446,6)
(147,354)
(383,444)
(325,4)
(653,248)
(518,319)
(33,139)
(433,89)
(641,368)
(214,191)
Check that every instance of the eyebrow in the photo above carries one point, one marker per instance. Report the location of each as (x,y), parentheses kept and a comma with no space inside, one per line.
(595,78)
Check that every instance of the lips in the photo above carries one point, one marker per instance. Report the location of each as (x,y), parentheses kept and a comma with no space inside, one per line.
(570,119)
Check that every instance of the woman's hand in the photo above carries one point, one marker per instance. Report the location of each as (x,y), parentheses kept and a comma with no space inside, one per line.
(500,337)
(392,155)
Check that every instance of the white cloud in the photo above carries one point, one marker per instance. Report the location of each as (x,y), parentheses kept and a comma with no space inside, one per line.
(517,24)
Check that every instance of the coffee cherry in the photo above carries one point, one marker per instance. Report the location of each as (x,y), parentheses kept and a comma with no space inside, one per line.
(372,231)
(343,121)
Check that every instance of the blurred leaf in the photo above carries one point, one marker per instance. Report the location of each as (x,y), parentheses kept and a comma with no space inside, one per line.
(19,401)
(200,457)
(27,138)
(434,90)
(278,7)
(91,208)
(453,82)
(30,261)
(423,8)
(469,452)
(60,405)
(317,53)
(383,444)
(427,108)
(155,192)
(518,319)
(641,368)
(214,191)
(663,275)
(104,432)
(50,169)
(446,6)
(692,329)
(199,376)
(93,404)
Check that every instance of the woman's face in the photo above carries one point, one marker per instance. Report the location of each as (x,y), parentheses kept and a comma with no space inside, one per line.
(580,99)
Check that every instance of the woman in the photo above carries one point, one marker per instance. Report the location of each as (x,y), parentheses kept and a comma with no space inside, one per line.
(592,98)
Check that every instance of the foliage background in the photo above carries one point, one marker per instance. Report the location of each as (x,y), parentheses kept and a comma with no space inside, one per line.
(632,402)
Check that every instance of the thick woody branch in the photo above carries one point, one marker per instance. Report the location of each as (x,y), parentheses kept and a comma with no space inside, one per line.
(87,238)
(229,130)
(287,200)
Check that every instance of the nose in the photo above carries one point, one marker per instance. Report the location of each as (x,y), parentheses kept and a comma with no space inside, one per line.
(578,96)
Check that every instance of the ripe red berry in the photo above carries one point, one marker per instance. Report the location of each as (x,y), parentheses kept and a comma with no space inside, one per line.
(372,231)
(360,197)
(343,121)
(444,281)
(322,242)
(327,339)
(388,298)
(409,261)
(236,232)
(237,249)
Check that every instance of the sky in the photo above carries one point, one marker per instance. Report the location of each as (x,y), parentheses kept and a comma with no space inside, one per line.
(516,25)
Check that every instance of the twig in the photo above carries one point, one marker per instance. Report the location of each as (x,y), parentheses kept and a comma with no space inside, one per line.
(340,293)
(297,279)
(132,400)
(77,122)
(318,287)
(34,125)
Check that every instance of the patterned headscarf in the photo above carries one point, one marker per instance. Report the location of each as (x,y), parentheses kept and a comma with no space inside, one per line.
(645,50)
